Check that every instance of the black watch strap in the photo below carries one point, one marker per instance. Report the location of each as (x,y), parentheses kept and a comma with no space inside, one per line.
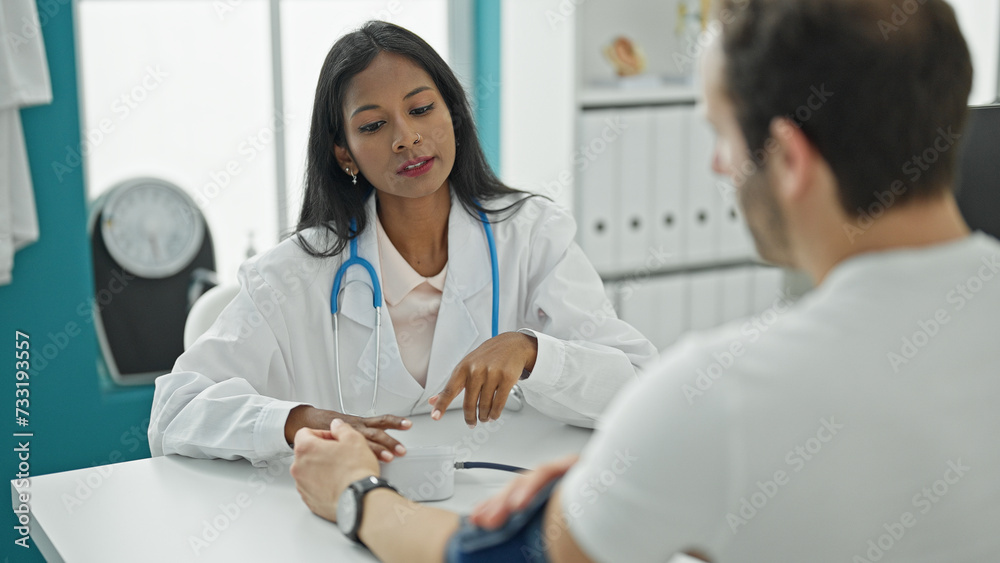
(362,487)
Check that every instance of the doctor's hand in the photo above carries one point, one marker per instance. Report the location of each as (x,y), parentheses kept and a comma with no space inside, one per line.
(326,462)
(487,375)
(493,512)
(384,446)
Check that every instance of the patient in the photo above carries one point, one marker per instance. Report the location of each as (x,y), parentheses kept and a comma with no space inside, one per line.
(861,425)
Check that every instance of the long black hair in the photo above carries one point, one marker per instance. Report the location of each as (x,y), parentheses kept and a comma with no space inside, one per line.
(331,201)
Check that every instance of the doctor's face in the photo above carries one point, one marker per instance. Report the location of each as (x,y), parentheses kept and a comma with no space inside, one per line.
(731,157)
(398,128)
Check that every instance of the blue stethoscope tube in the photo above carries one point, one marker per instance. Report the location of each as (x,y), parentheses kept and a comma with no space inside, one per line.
(355,260)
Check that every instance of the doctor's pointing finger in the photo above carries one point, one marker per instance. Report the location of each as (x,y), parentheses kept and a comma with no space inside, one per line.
(487,376)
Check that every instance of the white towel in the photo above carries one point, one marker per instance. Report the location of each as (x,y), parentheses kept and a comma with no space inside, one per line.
(24,81)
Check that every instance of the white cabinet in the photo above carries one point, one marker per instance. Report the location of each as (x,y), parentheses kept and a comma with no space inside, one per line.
(655,219)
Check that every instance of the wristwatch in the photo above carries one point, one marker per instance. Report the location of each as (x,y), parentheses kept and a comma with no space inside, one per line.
(351,502)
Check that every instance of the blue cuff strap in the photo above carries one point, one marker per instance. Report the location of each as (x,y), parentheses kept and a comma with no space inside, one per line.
(519,539)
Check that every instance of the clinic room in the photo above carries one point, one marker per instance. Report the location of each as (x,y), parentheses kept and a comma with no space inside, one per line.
(500,280)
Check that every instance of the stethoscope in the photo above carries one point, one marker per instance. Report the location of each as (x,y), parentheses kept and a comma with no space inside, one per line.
(354,259)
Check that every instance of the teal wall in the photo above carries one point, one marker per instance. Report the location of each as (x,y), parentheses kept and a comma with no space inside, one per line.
(487,89)
(76,419)
(76,423)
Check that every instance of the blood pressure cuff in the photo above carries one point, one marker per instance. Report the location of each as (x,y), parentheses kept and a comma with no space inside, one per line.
(521,538)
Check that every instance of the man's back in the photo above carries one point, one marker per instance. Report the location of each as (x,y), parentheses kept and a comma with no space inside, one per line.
(856,426)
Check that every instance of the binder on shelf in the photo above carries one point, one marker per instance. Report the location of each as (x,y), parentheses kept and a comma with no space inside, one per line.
(656,307)
(735,241)
(638,302)
(704,299)
(667,217)
(672,309)
(597,178)
(636,161)
(737,293)
(704,202)
(768,287)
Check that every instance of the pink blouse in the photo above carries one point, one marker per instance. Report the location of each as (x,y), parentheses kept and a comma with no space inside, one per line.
(413,302)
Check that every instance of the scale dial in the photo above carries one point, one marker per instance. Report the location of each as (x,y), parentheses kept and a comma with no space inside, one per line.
(151,228)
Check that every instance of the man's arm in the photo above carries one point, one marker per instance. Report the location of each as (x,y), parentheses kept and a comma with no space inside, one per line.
(561,548)
(394,528)
(397,529)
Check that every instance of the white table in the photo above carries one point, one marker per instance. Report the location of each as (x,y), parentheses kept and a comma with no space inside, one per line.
(176,509)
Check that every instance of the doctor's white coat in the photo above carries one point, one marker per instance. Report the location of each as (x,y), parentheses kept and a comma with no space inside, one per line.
(272,348)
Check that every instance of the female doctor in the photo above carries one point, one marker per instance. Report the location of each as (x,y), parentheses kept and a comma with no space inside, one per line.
(400,210)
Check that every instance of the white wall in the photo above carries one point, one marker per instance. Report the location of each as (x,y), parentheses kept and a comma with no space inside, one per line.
(537,108)
(980,22)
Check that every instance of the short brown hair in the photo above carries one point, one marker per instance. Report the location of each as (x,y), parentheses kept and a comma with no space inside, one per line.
(897,72)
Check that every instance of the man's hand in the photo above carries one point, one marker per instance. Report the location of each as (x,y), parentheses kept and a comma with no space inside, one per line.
(493,512)
(373,428)
(487,375)
(326,462)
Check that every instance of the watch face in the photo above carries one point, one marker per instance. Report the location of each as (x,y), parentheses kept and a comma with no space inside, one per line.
(347,510)
(151,228)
